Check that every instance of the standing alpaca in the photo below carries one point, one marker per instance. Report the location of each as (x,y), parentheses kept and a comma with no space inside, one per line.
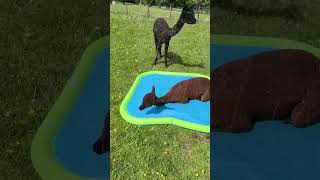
(163,33)
(182,92)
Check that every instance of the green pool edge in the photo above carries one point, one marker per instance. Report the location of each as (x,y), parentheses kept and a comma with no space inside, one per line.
(158,121)
(42,153)
(278,43)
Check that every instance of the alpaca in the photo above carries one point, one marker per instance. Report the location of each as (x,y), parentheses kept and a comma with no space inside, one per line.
(279,84)
(102,144)
(163,33)
(182,92)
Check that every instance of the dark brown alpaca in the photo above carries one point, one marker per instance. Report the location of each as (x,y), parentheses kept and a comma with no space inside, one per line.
(102,144)
(280,84)
(182,92)
(163,33)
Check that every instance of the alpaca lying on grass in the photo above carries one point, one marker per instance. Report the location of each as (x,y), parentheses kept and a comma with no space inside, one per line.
(102,144)
(182,92)
(163,33)
(279,84)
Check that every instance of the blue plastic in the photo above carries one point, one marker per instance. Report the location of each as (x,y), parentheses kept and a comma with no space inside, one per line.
(195,111)
(83,125)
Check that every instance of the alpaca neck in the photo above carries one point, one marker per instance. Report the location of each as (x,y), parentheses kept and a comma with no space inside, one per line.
(177,27)
(160,101)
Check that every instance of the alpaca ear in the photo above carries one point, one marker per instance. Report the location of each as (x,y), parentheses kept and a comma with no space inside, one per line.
(153,90)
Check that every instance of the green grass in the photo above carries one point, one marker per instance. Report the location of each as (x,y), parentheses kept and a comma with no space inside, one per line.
(148,152)
(41,42)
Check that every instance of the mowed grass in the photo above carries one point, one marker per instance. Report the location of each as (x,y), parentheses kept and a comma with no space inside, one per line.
(41,43)
(160,151)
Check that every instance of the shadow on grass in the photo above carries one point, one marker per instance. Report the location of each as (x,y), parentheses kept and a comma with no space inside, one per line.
(158,109)
(174,58)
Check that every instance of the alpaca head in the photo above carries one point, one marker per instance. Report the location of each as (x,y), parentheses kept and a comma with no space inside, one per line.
(187,15)
(148,99)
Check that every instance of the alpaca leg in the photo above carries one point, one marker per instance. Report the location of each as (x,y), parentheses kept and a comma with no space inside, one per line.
(242,123)
(206,96)
(156,48)
(229,116)
(184,100)
(307,111)
(157,52)
(166,54)
(155,44)
(160,51)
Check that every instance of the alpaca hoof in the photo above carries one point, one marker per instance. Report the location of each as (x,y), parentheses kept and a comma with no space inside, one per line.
(99,148)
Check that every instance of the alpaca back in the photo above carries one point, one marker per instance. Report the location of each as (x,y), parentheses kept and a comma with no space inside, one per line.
(160,25)
(261,82)
(191,89)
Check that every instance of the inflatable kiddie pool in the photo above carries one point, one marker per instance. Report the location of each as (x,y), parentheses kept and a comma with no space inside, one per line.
(62,147)
(194,115)
(272,150)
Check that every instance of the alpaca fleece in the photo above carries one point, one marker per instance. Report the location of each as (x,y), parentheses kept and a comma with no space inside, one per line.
(280,84)
(163,33)
(182,92)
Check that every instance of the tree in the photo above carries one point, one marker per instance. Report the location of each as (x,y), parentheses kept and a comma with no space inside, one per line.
(198,4)
(148,3)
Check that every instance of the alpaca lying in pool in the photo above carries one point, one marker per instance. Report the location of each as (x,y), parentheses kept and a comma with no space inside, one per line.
(182,92)
(102,144)
(280,84)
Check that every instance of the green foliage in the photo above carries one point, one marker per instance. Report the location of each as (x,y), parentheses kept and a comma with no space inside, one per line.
(290,9)
(231,21)
(130,1)
(174,3)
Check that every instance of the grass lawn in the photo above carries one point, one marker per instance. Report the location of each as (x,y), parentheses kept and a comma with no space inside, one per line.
(41,42)
(154,151)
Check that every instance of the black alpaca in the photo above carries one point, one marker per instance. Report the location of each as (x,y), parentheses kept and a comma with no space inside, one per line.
(163,33)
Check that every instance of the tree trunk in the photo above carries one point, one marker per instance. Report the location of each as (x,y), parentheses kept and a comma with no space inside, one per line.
(170,11)
(199,12)
(127,10)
